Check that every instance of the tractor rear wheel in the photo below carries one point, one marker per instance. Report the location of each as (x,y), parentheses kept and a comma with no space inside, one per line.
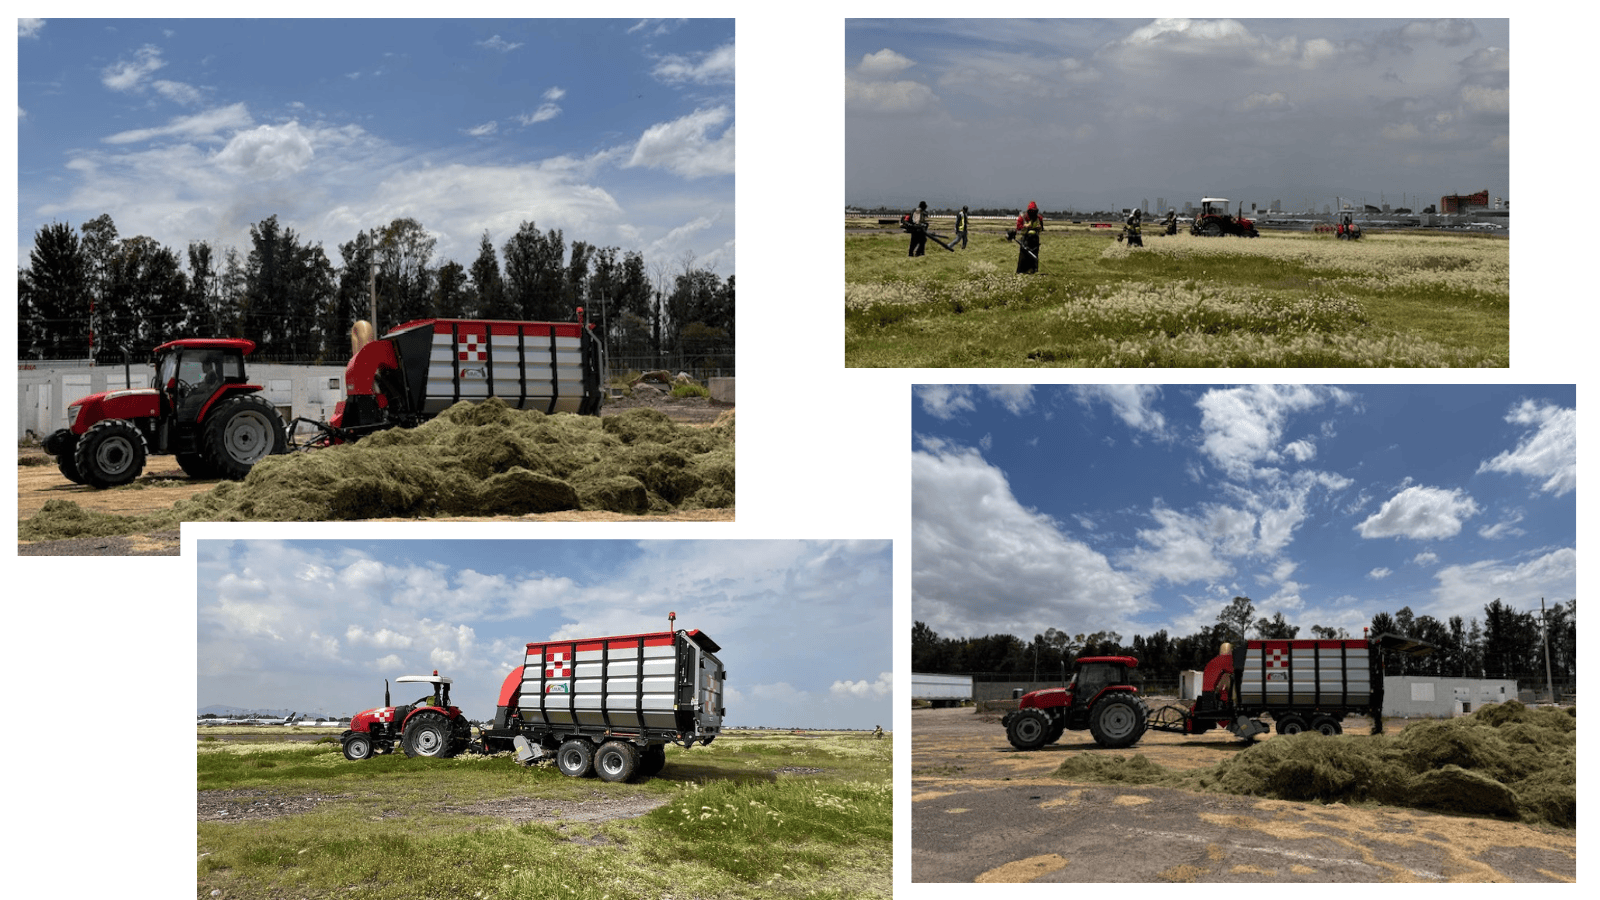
(357,747)
(1118,720)
(1291,723)
(653,760)
(1028,729)
(427,734)
(616,761)
(1212,229)
(243,431)
(575,758)
(110,453)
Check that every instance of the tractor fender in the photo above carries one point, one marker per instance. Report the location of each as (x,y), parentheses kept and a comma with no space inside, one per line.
(224,392)
(1046,698)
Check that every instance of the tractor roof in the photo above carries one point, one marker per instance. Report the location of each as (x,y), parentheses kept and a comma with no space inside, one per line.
(243,345)
(1128,661)
(429,679)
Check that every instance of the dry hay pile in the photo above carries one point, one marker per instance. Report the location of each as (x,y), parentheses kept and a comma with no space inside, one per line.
(1504,760)
(474,459)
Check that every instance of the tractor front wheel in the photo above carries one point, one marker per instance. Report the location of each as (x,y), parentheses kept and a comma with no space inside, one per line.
(427,734)
(1029,729)
(575,758)
(1118,720)
(616,761)
(357,747)
(243,431)
(110,453)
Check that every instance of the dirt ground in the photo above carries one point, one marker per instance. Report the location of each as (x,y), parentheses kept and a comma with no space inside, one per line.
(164,484)
(246,805)
(983,811)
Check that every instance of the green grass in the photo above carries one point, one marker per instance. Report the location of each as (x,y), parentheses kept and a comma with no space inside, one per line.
(732,825)
(1284,299)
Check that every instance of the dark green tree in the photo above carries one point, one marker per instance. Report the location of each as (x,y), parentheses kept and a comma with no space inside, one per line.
(488,286)
(1235,619)
(53,308)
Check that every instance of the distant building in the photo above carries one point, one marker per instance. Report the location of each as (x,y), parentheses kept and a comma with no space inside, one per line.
(1459,203)
(1161,203)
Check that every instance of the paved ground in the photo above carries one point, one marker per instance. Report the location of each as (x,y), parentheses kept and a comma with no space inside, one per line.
(984,812)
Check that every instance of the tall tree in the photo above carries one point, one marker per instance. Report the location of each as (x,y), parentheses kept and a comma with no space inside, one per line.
(487,284)
(404,252)
(535,273)
(99,246)
(1236,617)
(54,314)
(1276,628)
(452,295)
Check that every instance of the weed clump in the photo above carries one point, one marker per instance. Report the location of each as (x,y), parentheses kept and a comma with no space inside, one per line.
(1504,760)
(474,459)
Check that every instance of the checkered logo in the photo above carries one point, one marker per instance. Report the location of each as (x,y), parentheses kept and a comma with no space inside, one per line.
(385,715)
(558,666)
(1277,659)
(474,348)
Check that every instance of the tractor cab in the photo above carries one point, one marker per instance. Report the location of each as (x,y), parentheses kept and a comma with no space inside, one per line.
(189,373)
(440,695)
(1094,674)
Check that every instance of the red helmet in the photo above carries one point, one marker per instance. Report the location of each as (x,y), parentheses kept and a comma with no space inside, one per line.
(1033,206)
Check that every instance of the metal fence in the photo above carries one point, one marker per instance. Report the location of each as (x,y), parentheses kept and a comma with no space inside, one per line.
(699,366)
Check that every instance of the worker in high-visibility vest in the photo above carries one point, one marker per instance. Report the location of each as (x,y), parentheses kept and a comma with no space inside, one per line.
(1029,226)
(961,228)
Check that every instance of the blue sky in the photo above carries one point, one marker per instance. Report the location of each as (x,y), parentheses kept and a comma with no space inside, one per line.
(316,626)
(1133,508)
(1101,113)
(619,132)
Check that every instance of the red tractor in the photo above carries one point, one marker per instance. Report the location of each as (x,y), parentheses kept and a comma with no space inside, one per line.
(428,727)
(1214,220)
(1099,698)
(198,407)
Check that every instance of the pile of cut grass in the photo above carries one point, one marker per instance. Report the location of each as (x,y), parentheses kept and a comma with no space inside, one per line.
(1505,761)
(474,459)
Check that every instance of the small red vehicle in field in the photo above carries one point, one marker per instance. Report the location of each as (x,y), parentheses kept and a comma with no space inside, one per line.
(430,726)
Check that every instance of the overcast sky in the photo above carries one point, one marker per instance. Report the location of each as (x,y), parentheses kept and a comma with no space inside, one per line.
(1134,508)
(618,132)
(1105,113)
(316,626)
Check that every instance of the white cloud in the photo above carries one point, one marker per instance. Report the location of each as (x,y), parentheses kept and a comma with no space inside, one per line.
(1425,558)
(268,151)
(945,401)
(1133,403)
(484,130)
(544,113)
(883,63)
(1464,590)
(1242,426)
(554,94)
(711,67)
(1505,528)
(688,146)
(1380,573)
(1420,513)
(888,97)
(882,687)
(498,44)
(129,75)
(1549,452)
(204,126)
(27,28)
(985,564)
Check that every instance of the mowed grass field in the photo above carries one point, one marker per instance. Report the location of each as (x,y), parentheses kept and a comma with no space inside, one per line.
(1285,299)
(758,814)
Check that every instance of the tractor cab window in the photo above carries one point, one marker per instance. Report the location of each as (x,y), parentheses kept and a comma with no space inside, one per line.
(209,368)
(167,371)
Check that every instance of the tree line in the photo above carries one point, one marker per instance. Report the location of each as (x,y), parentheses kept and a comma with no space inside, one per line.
(90,294)
(1508,643)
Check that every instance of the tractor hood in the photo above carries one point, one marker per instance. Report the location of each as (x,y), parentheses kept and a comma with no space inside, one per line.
(363,721)
(1045,698)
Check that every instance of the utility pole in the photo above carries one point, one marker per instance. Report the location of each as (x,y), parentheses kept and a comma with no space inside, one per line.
(1544,619)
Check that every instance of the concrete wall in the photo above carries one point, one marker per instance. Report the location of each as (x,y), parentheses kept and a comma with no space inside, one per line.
(1421,695)
(45,390)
